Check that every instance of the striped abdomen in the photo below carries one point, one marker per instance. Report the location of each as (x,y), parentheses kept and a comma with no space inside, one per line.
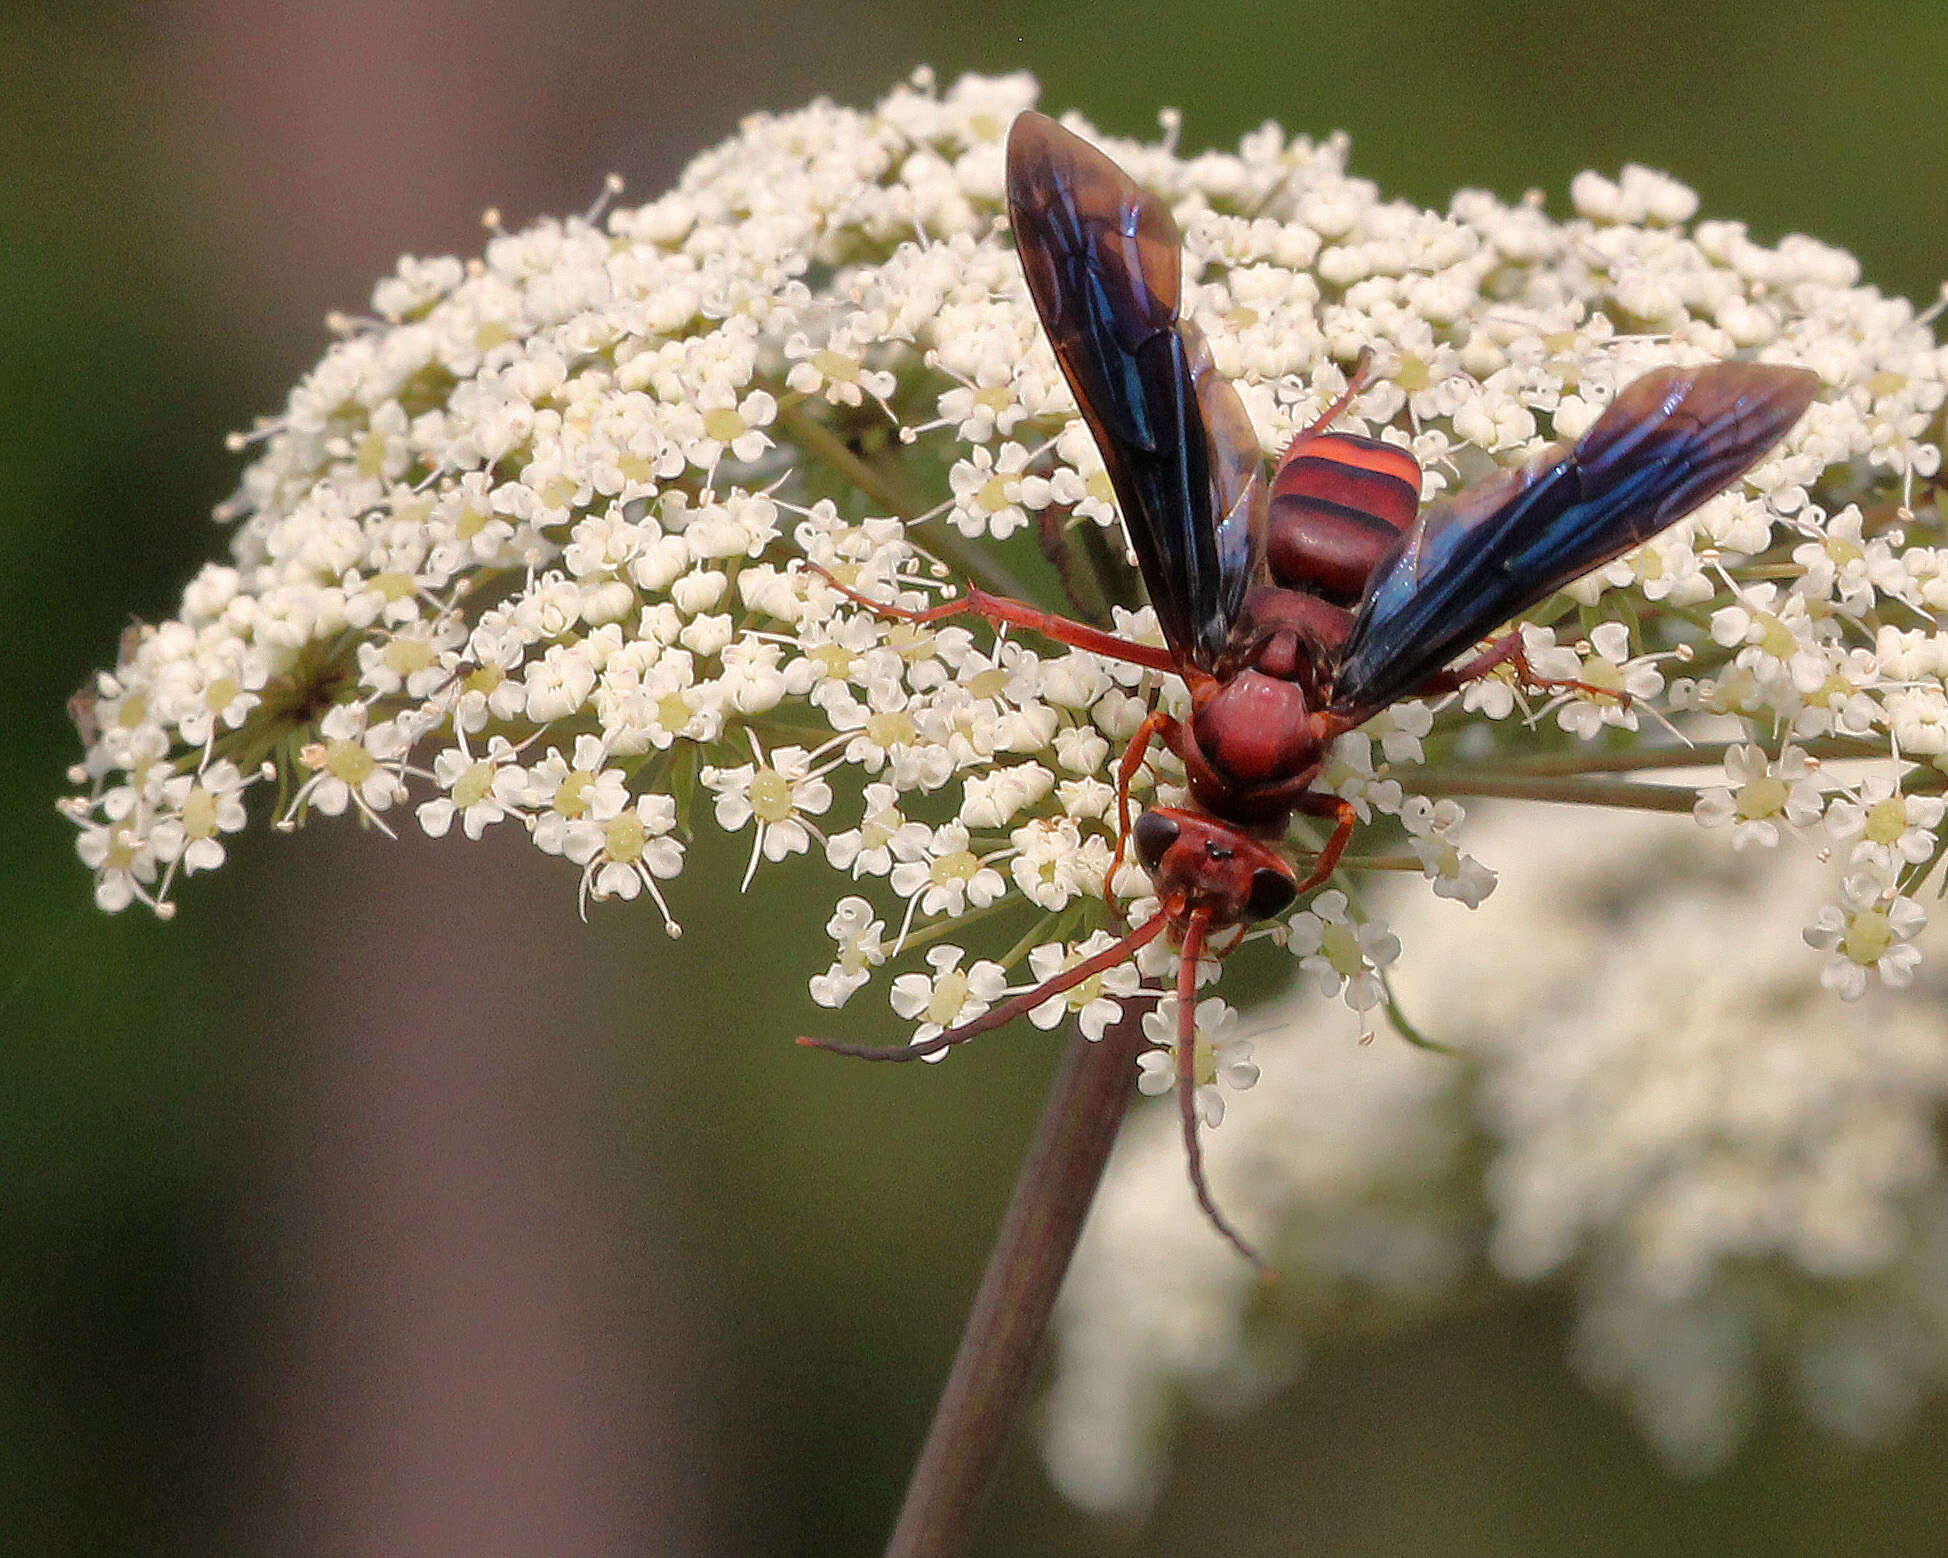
(1339,502)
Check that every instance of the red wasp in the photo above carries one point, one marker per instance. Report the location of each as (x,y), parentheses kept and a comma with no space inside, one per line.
(1297,611)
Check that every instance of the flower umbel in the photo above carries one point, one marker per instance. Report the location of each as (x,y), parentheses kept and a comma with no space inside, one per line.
(528,549)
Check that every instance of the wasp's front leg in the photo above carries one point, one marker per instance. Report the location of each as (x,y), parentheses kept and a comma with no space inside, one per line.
(1155,724)
(1344,817)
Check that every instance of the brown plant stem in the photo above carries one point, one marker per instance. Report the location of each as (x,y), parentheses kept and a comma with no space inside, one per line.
(982,1400)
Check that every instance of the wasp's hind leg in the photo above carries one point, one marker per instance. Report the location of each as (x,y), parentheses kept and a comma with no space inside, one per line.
(1507,650)
(999,609)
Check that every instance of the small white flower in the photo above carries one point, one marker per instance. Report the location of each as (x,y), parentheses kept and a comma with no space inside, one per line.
(835,373)
(632,852)
(1609,668)
(988,491)
(1762,794)
(1221,1058)
(196,810)
(861,949)
(729,426)
(123,860)
(949,996)
(1893,829)
(979,410)
(355,762)
(1097,1001)
(569,798)
(779,794)
(1342,956)
(1870,928)
(1399,730)
(1349,772)
(416,659)
(1772,631)
(883,835)
(480,791)
(1054,863)
(1454,875)
(948,876)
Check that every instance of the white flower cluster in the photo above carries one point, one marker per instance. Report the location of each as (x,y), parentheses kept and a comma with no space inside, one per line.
(527,548)
(1736,1178)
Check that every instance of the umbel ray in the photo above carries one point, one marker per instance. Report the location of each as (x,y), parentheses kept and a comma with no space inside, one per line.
(1297,610)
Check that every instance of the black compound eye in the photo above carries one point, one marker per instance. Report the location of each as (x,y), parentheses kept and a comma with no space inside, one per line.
(1271,892)
(1154,836)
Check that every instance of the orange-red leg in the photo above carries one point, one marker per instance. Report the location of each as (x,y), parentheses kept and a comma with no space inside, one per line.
(1343,815)
(1154,724)
(1508,650)
(1356,383)
(999,609)
(1009,1009)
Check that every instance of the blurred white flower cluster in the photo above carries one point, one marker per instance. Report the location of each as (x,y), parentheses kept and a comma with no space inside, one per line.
(526,551)
(1740,1182)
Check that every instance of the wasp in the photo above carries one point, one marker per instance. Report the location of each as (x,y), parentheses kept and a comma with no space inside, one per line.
(1296,610)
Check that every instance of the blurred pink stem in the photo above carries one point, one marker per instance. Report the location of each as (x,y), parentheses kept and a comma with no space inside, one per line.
(981,1403)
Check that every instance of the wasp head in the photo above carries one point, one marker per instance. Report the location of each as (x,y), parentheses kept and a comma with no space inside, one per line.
(1197,862)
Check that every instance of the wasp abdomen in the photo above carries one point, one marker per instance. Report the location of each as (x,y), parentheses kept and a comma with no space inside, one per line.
(1338,504)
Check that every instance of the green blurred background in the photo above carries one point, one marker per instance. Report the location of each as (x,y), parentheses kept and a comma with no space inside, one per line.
(379,1206)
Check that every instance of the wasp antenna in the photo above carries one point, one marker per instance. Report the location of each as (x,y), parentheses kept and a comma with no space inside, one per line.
(920,1051)
(1187,1091)
(1008,1010)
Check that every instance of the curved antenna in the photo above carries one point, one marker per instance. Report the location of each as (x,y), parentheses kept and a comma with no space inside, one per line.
(1187,1090)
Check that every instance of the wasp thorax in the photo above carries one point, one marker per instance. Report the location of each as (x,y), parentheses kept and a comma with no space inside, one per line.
(1253,729)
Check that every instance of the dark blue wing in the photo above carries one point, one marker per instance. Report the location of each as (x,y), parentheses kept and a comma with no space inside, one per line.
(1671,439)
(1104,265)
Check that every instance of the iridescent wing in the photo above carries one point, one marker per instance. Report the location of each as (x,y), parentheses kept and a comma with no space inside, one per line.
(1669,441)
(1104,265)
